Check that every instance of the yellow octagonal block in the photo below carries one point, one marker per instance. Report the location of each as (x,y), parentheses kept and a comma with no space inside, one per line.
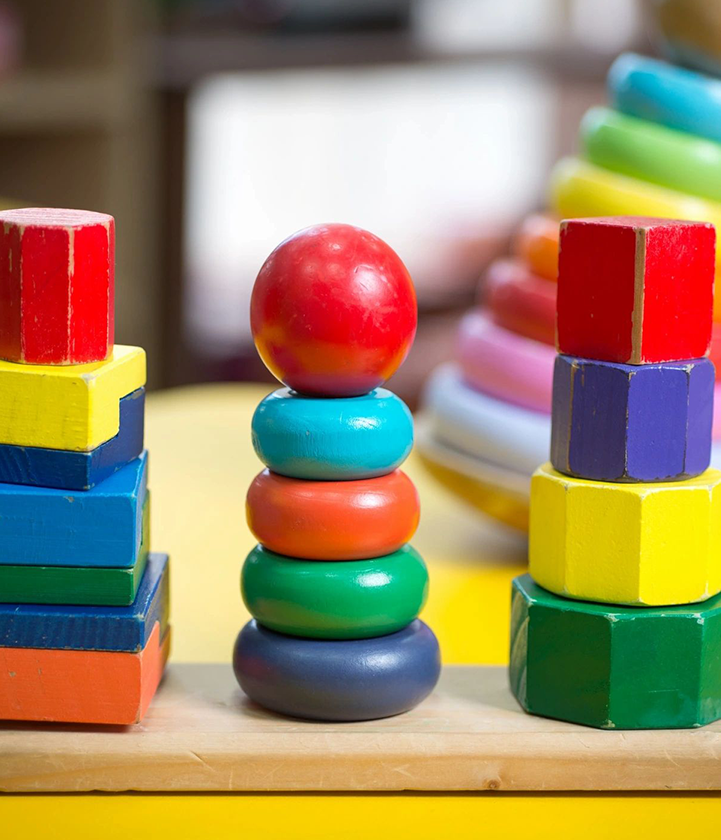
(651,544)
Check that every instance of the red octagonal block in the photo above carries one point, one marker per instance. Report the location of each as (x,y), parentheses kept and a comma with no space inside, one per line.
(635,290)
(57,282)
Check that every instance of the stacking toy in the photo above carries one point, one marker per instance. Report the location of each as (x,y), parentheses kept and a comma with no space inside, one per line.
(536,244)
(333,587)
(84,605)
(625,524)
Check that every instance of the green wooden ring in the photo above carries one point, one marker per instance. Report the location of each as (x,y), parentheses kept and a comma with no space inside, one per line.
(347,599)
(652,152)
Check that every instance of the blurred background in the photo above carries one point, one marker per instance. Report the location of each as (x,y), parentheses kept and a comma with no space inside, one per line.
(212,129)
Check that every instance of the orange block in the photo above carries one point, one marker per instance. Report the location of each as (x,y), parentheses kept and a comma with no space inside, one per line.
(537,243)
(81,686)
(333,520)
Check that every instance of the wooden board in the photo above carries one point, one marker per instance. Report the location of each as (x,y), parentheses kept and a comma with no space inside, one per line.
(201,734)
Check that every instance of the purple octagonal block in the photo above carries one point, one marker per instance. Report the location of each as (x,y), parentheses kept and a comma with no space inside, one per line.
(614,422)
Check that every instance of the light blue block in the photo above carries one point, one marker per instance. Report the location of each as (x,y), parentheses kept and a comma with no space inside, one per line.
(666,94)
(334,439)
(101,527)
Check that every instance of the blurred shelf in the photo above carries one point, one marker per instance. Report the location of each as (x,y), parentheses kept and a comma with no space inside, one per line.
(61,101)
(185,58)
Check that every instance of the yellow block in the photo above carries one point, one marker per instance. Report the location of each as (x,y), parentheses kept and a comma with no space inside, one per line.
(74,407)
(578,188)
(651,544)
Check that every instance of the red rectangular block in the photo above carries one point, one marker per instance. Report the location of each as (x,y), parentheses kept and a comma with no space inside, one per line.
(81,686)
(56,286)
(635,290)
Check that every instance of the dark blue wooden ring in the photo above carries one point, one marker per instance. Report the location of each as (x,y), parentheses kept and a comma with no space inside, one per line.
(358,679)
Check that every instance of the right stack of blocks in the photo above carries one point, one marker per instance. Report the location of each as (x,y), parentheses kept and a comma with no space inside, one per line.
(618,624)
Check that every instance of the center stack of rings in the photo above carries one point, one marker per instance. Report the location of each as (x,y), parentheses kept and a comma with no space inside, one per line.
(656,151)
(333,586)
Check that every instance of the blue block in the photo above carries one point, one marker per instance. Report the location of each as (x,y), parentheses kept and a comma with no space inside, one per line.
(68,470)
(626,423)
(101,527)
(354,679)
(666,94)
(92,628)
(334,439)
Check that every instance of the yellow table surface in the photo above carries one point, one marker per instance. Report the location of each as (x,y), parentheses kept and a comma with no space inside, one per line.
(201,462)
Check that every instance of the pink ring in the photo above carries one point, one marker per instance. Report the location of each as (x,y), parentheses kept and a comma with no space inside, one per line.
(505,365)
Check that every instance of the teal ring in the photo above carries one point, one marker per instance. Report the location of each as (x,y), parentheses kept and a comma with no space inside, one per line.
(663,93)
(332,439)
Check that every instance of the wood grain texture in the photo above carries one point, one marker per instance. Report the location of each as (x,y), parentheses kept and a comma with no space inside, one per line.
(67,406)
(99,527)
(68,470)
(80,585)
(72,627)
(200,733)
(81,686)
(57,286)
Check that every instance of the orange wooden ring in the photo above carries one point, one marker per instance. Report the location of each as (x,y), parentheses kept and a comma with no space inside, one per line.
(520,301)
(333,520)
(537,244)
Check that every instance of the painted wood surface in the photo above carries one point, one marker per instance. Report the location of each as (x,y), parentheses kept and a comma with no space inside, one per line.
(339,439)
(643,544)
(521,301)
(666,94)
(201,734)
(482,426)
(504,365)
(81,585)
(349,680)
(536,243)
(81,686)
(579,188)
(99,527)
(615,422)
(652,152)
(333,520)
(79,404)
(92,627)
(353,599)
(333,311)
(635,290)
(57,286)
(615,667)
(68,470)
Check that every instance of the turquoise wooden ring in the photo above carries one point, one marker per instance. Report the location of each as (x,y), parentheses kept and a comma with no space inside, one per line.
(332,439)
(355,599)
(663,93)
(652,152)
(356,679)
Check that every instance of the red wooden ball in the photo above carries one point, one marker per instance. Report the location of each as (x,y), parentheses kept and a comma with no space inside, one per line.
(333,311)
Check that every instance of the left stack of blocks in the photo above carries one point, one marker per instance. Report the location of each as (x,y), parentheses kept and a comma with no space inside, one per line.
(83,604)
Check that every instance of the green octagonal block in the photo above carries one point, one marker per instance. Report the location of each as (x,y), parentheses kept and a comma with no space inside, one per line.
(615,667)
